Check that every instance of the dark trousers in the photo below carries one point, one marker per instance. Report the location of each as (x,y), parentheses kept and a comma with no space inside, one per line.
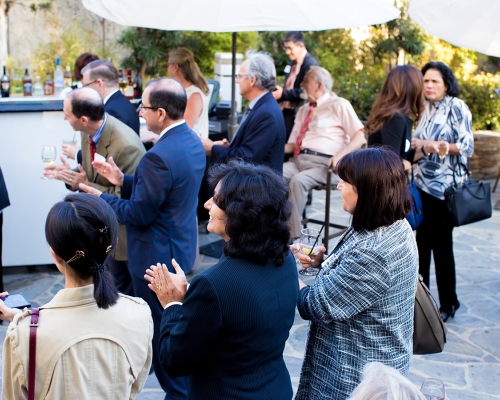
(121,275)
(176,388)
(1,265)
(435,235)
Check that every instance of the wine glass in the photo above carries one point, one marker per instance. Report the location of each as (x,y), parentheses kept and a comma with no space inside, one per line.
(71,142)
(310,244)
(442,151)
(433,389)
(49,154)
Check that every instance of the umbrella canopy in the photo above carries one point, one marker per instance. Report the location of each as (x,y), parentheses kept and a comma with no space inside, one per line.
(235,16)
(465,23)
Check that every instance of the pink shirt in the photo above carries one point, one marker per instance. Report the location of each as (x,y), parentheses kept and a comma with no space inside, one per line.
(332,126)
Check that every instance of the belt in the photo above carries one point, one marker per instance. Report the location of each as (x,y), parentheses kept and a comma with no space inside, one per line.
(315,153)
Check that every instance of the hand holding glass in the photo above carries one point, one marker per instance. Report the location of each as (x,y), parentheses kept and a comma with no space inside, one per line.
(49,155)
(310,245)
(442,151)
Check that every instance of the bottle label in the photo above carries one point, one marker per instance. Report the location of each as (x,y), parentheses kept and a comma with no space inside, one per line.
(28,87)
(6,86)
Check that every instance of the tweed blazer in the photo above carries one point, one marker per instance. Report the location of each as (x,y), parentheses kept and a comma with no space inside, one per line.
(122,143)
(361,310)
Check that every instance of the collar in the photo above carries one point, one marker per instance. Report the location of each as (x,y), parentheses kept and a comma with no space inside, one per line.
(97,135)
(322,100)
(300,60)
(170,127)
(254,101)
(72,297)
(109,95)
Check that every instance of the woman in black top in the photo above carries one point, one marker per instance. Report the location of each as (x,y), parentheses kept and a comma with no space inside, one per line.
(400,102)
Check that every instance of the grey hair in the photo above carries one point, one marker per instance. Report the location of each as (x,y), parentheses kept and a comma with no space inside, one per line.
(261,67)
(321,75)
(381,382)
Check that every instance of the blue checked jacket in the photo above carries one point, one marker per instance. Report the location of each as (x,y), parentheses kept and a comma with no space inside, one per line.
(360,310)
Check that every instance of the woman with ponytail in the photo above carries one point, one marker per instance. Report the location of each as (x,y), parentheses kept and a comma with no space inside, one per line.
(183,67)
(92,342)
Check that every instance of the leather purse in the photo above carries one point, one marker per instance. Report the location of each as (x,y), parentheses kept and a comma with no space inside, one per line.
(429,330)
(467,201)
(416,215)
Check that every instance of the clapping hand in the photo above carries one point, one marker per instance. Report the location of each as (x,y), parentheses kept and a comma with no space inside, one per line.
(51,171)
(168,287)
(110,171)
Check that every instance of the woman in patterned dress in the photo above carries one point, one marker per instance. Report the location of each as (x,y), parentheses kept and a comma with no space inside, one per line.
(446,126)
(360,306)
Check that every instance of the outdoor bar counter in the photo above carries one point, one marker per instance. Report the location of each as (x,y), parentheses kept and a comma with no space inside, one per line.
(26,125)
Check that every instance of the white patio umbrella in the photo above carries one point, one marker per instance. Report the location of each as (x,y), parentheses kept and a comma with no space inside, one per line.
(242,16)
(474,24)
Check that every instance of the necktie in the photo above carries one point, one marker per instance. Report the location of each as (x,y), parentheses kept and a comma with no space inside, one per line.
(303,130)
(92,148)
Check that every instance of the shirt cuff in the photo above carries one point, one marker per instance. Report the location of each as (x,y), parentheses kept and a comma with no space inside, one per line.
(173,303)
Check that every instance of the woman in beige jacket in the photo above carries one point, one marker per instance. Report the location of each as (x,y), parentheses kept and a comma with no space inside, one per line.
(92,342)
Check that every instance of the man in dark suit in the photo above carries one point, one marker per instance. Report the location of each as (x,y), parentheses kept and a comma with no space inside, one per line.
(261,134)
(84,110)
(158,203)
(300,62)
(4,202)
(102,76)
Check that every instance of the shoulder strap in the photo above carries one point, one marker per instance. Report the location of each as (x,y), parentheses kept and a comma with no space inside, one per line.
(32,354)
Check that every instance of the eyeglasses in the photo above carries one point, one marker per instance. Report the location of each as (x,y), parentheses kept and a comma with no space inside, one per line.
(148,108)
(238,76)
(90,83)
(286,48)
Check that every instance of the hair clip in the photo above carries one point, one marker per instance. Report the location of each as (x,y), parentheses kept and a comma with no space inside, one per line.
(78,254)
(108,249)
(97,268)
(104,230)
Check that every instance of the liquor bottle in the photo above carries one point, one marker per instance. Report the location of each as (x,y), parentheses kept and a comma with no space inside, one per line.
(68,77)
(138,86)
(5,83)
(122,81)
(48,85)
(58,78)
(129,90)
(27,84)
(17,84)
(37,87)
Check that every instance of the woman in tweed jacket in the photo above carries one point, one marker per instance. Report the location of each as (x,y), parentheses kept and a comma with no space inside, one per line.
(361,304)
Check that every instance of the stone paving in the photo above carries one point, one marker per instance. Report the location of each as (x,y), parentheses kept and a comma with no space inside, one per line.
(470,363)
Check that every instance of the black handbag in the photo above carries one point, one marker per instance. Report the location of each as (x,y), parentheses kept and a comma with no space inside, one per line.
(467,201)
(416,215)
(429,330)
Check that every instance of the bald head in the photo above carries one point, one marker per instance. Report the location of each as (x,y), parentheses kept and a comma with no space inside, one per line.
(86,102)
(167,93)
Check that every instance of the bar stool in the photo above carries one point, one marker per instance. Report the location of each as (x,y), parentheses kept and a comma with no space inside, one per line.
(340,228)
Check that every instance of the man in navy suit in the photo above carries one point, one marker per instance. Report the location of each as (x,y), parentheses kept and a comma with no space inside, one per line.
(158,204)
(261,134)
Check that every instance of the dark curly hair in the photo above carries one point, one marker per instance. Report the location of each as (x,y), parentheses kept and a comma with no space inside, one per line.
(452,88)
(380,181)
(255,200)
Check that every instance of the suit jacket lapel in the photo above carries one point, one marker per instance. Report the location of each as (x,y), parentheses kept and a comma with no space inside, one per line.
(104,142)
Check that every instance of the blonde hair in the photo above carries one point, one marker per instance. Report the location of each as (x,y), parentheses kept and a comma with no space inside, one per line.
(185,60)
(381,382)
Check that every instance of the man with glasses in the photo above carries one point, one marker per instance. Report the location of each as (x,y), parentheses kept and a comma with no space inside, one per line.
(101,135)
(158,203)
(300,62)
(261,134)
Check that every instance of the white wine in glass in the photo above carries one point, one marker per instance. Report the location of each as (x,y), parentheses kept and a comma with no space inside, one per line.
(442,151)
(49,155)
(310,243)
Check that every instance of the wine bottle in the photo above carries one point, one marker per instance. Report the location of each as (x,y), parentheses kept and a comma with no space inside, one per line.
(68,77)
(48,85)
(5,83)
(138,86)
(17,84)
(129,90)
(122,81)
(37,87)
(27,84)
(58,78)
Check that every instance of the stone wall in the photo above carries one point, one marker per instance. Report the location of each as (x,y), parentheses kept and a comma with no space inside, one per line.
(27,29)
(486,158)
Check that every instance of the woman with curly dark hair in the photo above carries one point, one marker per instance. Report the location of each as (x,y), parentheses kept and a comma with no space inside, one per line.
(228,330)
